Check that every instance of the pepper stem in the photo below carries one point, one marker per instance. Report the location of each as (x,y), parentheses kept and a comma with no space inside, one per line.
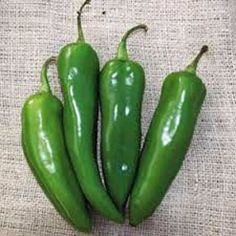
(192,67)
(45,87)
(122,53)
(80,29)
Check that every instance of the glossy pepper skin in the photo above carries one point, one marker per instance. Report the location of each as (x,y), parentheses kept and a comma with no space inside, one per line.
(168,139)
(44,149)
(122,83)
(78,70)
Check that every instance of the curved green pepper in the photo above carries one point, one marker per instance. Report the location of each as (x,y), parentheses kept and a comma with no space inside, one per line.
(168,139)
(78,70)
(122,83)
(45,151)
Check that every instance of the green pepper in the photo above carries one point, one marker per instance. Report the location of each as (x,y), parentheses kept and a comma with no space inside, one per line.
(78,70)
(45,152)
(168,139)
(121,89)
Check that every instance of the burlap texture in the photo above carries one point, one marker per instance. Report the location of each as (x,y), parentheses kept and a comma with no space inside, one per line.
(202,199)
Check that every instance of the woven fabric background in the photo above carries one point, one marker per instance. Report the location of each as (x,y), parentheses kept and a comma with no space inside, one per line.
(202,199)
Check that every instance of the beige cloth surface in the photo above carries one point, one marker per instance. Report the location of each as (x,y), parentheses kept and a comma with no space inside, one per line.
(202,199)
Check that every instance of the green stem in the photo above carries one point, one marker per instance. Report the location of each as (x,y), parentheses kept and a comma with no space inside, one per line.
(80,29)
(192,67)
(122,53)
(45,87)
